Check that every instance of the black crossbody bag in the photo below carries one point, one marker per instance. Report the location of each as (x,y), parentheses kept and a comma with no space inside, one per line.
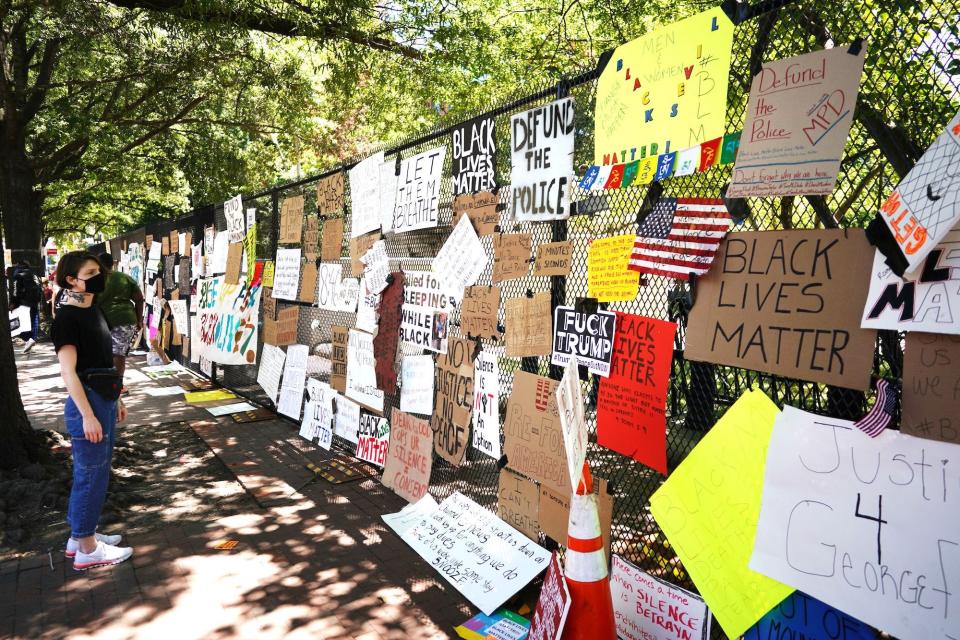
(105,382)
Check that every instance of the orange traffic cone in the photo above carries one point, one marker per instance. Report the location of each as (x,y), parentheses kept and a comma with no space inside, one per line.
(591,606)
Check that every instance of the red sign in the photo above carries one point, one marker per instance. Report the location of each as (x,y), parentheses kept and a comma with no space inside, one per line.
(552,606)
(631,408)
(385,342)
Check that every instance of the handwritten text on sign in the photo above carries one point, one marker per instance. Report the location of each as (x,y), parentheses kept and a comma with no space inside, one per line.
(931,387)
(542,155)
(474,150)
(409,459)
(418,191)
(373,438)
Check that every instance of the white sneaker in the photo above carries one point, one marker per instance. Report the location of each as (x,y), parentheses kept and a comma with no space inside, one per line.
(73,546)
(29,345)
(104,555)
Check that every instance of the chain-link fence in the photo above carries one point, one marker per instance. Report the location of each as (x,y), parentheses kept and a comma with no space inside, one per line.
(907,95)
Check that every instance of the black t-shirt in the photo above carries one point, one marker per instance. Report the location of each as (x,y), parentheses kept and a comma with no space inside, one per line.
(86,329)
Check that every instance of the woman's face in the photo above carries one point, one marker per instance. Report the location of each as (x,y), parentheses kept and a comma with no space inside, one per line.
(89,269)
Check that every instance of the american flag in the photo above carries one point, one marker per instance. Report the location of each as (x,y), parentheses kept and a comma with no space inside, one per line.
(879,416)
(679,237)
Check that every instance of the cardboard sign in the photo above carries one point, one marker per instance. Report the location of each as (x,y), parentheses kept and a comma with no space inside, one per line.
(228,321)
(474,151)
(165,246)
(714,537)
(416,385)
(330,195)
(294,381)
(417,203)
(517,502)
(269,305)
(410,456)
(291,220)
(331,242)
(385,342)
(647,608)
(284,330)
(479,311)
(798,118)
(787,302)
(541,154)
(931,387)
(586,338)
(553,604)
(460,533)
(347,419)
(286,277)
(373,438)
(338,358)
(461,259)
(361,372)
(532,438)
(308,283)
(486,405)
(800,616)
(861,522)
(311,238)
(236,221)
(365,196)
(453,383)
(609,278)
(664,91)
(511,255)
(554,512)
(358,248)
(631,407)
(929,302)
(481,208)
(553,259)
(529,326)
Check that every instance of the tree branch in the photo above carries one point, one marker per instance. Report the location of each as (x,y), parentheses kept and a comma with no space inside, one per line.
(160,128)
(44,73)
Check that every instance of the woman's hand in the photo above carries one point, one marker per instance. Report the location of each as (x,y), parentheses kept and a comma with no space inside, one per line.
(121,411)
(92,429)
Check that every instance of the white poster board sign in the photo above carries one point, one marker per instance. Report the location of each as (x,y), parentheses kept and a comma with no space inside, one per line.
(365,195)
(461,259)
(573,424)
(294,381)
(427,306)
(236,221)
(286,275)
(486,405)
(541,154)
(361,376)
(416,385)
(346,418)
(417,203)
(271,369)
(388,193)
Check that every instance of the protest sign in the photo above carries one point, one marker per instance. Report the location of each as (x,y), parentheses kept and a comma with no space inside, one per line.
(286,277)
(291,220)
(365,196)
(553,259)
(479,311)
(294,381)
(318,420)
(236,222)
(482,556)
(311,238)
(453,383)
(541,155)
(183,268)
(631,406)
(338,358)
(426,310)
(347,419)
(609,277)
(368,305)
(518,499)
(708,508)
(178,308)
(284,330)
(664,91)
(328,281)
(859,522)
(417,204)
(648,608)
(554,511)
(481,208)
(308,283)
(927,302)
(358,248)
(416,385)
(474,150)
(486,404)
(586,338)
(787,302)
(528,326)
(331,239)
(532,438)
(798,118)
(502,625)
(361,374)
(410,456)
(461,259)
(511,255)
(553,604)
(573,423)
(228,319)
(373,438)
(385,342)
(269,269)
(169,262)
(330,195)
(376,267)
(388,193)
(931,387)
(800,616)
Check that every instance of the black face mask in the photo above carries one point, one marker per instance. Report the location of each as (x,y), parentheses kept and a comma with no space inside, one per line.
(95,284)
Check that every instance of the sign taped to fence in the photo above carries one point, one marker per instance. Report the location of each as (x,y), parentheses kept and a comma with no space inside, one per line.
(425,315)
(929,302)
(454,401)
(236,221)
(388,194)
(461,259)
(931,387)
(373,438)
(409,457)
(532,437)
(482,556)
(553,605)
(713,537)
(481,208)
(665,91)
(541,154)
(486,404)
(609,278)
(361,374)
(331,239)
(573,423)
(365,196)
(417,204)
(228,317)
(286,276)
(291,220)
(585,337)
(865,537)
(648,608)
(529,326)
(330,195)
(798,118)
(474,152)
(511,255)
(553,259)
(479,312)
(788,303)
(554,511)
(518,499)
(801,616)
(339,341)
(416,385)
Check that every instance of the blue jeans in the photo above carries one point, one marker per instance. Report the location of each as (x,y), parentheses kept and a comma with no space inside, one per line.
(91,463)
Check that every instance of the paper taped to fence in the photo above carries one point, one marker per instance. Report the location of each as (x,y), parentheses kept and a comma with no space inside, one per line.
(228,321)
(482,556)
(236,222)
(416,384)
(365,196)
(486,404)
(866,525)
(541,154)
(417,204)
(461,259)
(453,402)
(361,381)
(518,499)
(481,208)
(286,277)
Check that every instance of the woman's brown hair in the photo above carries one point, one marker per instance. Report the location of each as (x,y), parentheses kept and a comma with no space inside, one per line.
(70,265)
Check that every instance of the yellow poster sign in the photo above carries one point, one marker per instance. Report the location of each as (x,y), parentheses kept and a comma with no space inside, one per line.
(268,271)
(665,91)
(608,278)
(709,508)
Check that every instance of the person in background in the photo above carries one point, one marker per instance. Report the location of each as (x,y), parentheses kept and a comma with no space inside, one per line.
(83,344)
(122,306)
(26,291)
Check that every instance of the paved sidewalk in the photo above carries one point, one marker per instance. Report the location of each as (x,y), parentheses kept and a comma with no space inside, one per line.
(312,561)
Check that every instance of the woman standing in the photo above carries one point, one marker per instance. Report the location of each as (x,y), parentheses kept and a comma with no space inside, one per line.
(82,340)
